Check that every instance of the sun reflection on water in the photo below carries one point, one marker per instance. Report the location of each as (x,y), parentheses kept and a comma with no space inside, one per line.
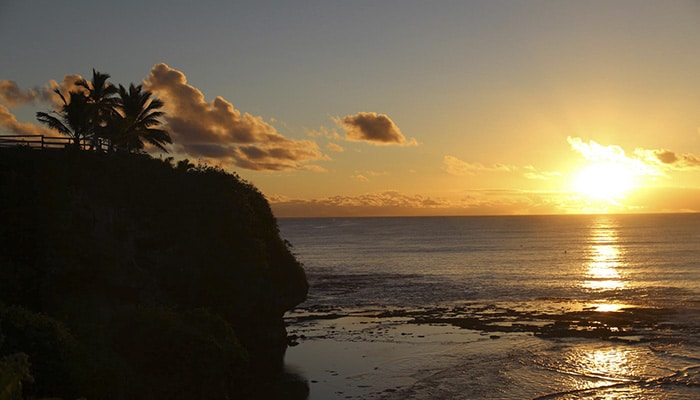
(606,259)
(608,307)
(604,367)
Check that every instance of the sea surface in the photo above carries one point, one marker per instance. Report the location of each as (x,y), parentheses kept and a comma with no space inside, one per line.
(507,307)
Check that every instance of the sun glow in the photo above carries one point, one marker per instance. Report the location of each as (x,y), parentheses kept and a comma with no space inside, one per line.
(605,181)
(609,175)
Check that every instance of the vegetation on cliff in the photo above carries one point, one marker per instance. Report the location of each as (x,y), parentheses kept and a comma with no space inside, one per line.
(99,116)
(126,276)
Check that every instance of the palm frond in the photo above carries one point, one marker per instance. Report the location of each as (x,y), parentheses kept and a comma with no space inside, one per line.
(57,91)
(139,118)
(158,137)
(53,123)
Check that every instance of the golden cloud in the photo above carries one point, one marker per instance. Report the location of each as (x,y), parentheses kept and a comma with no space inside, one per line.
(360,178)
(668,159)
(217,131)
(534,174)
(454,166)
(10,122)
(335,147)
(393,203)
(652,162)
(13,96)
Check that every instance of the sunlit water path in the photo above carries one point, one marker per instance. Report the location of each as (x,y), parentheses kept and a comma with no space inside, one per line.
(499,307)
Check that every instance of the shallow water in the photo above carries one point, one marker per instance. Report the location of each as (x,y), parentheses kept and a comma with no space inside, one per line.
(498,307)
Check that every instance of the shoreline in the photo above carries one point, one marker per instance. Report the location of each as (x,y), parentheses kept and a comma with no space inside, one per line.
(425,354)
(361,357)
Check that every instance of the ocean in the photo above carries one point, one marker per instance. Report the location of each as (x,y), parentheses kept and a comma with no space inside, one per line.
(503,307)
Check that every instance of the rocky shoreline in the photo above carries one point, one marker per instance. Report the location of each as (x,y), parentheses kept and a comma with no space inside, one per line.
(479,350)
(628,323)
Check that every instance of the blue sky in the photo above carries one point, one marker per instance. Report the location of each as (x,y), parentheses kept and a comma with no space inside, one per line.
(481,100)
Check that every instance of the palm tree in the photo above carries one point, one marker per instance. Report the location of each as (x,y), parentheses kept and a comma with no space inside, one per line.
(137,120)
(100,96)
(73,119)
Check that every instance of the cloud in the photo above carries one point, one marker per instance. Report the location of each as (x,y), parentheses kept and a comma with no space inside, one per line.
(369,204)
(668,159)
(13,96)
(373,128)
(384,199)
(593,151)
(394,203)
(9,121)
(454,166)
(478,202)
(217,131)
(641,163)
(363,176)
(335,147)
(325,132)
(534,174)
(360,178)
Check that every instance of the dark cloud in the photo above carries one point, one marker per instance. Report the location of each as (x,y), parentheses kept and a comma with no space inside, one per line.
(373,128)
(218,131)
(208,150)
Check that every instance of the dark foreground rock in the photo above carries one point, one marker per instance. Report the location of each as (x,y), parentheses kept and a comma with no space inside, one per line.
(131,277)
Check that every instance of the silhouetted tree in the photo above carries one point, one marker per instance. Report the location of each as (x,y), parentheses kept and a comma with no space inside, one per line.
(102,103)
(126,121)
(73,119)
(137,120)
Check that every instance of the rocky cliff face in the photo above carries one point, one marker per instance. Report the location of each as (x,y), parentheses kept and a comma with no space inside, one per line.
(85,236)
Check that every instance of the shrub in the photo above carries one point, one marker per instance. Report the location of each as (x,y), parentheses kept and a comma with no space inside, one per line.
(191,355)
(48,345)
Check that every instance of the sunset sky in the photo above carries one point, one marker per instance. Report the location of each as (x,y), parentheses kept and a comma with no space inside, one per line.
(335,108)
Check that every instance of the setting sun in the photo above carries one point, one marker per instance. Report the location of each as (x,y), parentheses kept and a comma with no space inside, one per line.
(605,181)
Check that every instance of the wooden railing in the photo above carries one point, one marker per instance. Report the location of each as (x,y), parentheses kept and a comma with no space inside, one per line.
(49,142)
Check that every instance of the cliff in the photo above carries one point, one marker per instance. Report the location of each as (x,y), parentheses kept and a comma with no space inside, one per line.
(139,278)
